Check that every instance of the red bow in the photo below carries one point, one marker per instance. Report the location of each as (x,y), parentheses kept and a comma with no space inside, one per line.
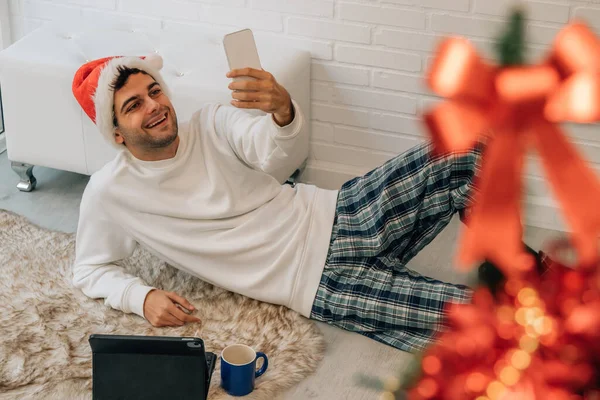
(520,106)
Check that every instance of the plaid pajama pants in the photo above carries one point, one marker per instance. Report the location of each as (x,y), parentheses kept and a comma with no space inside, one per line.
(382,220)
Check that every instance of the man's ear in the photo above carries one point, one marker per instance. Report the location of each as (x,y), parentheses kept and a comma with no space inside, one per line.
(119,137)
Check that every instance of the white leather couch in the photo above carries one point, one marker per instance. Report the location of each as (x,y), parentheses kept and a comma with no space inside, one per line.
(45,125)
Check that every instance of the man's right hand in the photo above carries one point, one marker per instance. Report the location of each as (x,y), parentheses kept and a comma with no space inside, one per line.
(160,309)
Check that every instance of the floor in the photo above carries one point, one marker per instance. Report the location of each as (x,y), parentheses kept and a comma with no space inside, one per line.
(55,205)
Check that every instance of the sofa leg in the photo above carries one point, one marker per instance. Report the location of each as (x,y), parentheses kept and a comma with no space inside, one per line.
(25,172)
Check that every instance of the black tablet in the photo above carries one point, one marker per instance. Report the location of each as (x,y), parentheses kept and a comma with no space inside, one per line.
(150,367)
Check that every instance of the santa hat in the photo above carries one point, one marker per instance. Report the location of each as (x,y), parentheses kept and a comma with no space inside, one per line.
(92,87)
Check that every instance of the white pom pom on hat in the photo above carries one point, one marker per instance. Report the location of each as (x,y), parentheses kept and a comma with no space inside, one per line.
(155,60)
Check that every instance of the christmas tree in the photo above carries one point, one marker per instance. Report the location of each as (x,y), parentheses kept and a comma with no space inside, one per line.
(525,335)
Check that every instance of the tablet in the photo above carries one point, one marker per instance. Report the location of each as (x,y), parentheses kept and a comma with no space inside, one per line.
(150,367)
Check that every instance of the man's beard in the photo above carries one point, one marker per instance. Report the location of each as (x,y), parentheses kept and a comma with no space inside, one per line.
(151,142)
(147,141)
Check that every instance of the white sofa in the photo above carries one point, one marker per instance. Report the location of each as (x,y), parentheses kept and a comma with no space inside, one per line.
(45,125)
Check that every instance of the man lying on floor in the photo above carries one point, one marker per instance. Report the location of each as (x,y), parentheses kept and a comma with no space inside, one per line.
(200,196)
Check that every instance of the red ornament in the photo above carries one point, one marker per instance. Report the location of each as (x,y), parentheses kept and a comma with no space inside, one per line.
(538,338)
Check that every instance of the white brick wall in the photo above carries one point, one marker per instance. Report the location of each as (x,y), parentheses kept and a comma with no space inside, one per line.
(340,74)
(382,15)
(369,59)
(326,29)
(369,56)
(548,12)
(318,8)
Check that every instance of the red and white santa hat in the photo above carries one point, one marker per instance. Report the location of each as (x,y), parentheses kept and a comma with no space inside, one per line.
(93,91)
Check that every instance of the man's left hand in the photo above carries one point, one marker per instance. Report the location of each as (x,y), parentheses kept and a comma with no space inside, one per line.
(264,94)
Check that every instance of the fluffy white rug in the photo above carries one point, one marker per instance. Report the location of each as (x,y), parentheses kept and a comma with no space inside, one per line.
(45,322)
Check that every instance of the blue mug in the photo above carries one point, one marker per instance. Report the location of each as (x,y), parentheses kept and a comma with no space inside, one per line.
(238,369)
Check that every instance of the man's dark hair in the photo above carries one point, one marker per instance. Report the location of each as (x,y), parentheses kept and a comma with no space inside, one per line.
(123,75)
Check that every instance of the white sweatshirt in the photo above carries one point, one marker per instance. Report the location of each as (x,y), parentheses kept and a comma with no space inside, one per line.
(213,211)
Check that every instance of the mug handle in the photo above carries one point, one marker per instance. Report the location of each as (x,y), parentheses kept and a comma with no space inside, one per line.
(265,365)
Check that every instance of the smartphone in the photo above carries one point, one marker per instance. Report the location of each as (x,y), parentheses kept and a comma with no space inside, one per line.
(241,51)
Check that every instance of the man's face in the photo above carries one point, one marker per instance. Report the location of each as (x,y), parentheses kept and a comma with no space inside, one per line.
(145,116)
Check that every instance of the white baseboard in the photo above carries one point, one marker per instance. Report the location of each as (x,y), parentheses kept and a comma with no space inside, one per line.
(539,212)
(2,143)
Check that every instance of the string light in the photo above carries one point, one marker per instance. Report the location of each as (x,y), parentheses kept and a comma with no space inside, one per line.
(509,376)
(387,396)
(428,388)
(475,382)
(527,296)
(528,343)
(431,365)
(495,390)
(391,384)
